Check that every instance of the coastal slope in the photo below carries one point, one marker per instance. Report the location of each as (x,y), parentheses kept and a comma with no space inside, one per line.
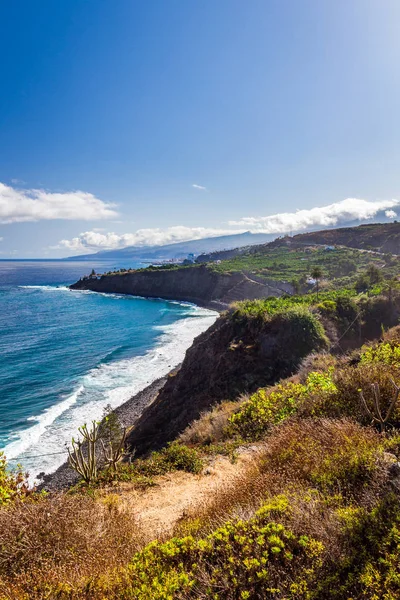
(236,355)
(199,284)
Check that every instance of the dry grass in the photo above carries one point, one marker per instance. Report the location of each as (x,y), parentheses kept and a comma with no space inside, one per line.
(338,457)
(239,497)
(321,361)
(392,334)
(350,379)
(211,426)
(324,470)
(62,539)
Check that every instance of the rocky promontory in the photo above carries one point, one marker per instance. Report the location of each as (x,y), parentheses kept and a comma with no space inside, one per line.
(198,284)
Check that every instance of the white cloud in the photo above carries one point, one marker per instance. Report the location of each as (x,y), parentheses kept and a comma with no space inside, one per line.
(93,240)
(390,214)
(35,205)
(350,209)
(199,187)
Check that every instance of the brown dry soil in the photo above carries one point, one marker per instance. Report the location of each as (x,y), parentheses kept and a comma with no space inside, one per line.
(176,495)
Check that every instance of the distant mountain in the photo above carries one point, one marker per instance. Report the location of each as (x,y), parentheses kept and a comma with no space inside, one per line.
(181,249)
(384,235)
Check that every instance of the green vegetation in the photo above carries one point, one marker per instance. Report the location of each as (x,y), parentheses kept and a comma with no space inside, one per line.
(337,268)
(316,520)
(13,484)
(141,472)
(181,567)
(267,407)
(313,512)
(175,457)
(263,308)
(387,353)
(285,264)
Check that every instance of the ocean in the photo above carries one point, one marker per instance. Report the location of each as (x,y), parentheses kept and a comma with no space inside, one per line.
(65,355)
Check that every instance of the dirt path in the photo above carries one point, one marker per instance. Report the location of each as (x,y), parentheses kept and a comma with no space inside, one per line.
(158,509)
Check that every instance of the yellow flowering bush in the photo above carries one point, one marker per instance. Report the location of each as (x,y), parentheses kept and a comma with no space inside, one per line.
(240,559)
(13,484)
(269,407)
(387,353)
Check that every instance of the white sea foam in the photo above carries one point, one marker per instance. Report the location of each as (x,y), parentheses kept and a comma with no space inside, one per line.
(30,437)
(38,447)
(46,288)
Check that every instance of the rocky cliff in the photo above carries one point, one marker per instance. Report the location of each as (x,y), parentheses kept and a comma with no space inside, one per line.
(233,356)
(197,284)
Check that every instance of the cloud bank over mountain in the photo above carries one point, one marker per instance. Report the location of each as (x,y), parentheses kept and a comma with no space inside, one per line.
(350,209)
(345,211)
(21,205)
(92,240)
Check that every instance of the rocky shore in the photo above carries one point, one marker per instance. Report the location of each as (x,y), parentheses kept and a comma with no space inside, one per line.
(198,285)
(128,413)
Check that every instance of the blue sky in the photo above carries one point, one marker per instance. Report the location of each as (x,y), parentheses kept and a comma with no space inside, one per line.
(111,113)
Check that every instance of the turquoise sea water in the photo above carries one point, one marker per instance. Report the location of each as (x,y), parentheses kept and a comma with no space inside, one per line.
(65,355)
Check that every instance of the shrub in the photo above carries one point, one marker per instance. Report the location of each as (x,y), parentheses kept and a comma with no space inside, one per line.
(175,457)
(350,379)
(241,559)
(268,407)
(369,565)
(265,408)
(362,283)
(374,274)
(386,352)
(327,308)
(13,484)
(108,477)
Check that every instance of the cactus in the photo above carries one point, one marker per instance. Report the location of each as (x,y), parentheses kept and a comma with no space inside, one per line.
(376,414)
(112,437)
(85,463)
(113,453)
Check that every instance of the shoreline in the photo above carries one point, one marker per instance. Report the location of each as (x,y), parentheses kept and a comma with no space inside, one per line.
(128,413)
(213,305)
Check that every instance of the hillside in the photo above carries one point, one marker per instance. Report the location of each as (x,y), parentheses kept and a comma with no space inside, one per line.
(381,237)
(267,467)
(257,273)
(384,237)
(276,485)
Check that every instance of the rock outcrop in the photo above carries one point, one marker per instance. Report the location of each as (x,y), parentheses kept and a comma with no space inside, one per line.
(233,356)
(199,284)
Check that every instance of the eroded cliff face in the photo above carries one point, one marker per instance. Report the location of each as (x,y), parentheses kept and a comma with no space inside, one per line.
(228,359)
(199,285)
(238,355)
